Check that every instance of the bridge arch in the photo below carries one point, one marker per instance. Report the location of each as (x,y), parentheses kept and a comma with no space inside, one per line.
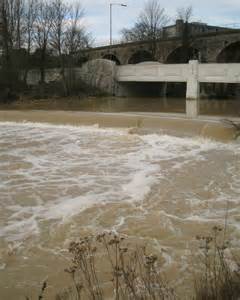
(112,57)
(182,55)
(230,53)
(140,56)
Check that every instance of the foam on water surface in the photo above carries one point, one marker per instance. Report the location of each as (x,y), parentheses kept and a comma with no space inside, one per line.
(56,181)
(50,172)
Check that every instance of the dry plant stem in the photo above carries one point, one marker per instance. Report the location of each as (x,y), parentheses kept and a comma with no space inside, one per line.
(78,293)
(116,271)
(129,284)
(44,286)
(135,274)
(219,281)
(225,223)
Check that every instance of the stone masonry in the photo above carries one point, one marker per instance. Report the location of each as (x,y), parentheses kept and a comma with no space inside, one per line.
(207,43)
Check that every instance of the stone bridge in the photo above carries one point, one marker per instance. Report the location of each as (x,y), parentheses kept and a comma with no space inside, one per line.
(222,45)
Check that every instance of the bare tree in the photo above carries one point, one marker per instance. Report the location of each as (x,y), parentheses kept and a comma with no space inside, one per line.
(7,40)
(42,28)
(20,28)
(30,15)
(68,37)
(185,13)
(14,15)
(6,60)
(13,39)
(148,26)
(58,34)
(77,38)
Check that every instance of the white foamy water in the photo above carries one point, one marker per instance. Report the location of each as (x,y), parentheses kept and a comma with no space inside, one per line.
(56,172)
(51,175)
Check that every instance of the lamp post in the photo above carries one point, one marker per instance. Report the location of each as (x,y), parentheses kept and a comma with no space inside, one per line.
(111,5)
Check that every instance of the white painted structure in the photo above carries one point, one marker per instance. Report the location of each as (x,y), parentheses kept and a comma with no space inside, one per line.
(193,74)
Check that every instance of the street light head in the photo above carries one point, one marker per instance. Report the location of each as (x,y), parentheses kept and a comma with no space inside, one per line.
(120,4)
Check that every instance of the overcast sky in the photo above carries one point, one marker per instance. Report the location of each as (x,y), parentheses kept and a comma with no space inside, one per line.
(215,12)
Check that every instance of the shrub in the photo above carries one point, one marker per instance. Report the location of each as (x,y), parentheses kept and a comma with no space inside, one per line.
(133,274)
(217,281)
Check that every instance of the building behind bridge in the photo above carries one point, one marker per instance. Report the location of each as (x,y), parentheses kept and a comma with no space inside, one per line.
(194,28)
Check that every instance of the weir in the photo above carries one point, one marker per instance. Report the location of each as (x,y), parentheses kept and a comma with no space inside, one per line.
(192,73)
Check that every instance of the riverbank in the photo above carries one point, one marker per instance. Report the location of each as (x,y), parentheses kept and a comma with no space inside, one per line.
(167,123)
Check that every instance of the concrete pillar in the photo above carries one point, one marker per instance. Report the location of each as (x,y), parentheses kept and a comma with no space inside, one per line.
(192,95)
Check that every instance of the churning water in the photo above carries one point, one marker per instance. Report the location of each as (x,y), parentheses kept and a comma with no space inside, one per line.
(59,182)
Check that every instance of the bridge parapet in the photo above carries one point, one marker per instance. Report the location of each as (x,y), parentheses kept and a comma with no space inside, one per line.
(225,73)
(153,72)
(156,72)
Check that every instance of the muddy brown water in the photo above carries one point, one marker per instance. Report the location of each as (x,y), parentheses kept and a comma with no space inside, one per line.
(59,181)
(223,107)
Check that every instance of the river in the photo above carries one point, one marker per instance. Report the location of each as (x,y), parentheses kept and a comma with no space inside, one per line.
(61,181)
(223,107)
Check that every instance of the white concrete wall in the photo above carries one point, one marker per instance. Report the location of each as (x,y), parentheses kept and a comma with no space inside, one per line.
(154,72)
(228,73)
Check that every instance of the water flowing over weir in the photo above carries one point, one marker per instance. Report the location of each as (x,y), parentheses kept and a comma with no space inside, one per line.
(57,182)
